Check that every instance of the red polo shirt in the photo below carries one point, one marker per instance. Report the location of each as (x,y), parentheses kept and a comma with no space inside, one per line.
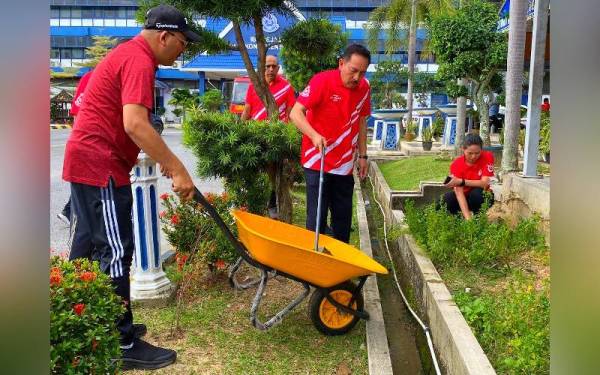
(78,98)
(484,166)
(334,111)
(98,147)
(284,97)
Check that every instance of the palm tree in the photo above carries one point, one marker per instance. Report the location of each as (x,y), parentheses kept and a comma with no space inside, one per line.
(514,83)
(394,17)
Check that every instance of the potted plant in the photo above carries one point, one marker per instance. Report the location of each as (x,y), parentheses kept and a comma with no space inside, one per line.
(410,133)
(427,138)
(438,127)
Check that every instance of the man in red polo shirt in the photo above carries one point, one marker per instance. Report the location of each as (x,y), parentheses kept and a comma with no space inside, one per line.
(331,113)
(254,108)
(280,88)
(470,180)
(112,126)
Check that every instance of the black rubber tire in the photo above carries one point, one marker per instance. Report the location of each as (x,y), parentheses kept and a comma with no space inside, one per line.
(315,304)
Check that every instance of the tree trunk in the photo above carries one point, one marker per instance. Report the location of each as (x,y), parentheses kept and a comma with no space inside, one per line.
(284,182)
(461,116)
(412,45)
(514,84)
(484,119)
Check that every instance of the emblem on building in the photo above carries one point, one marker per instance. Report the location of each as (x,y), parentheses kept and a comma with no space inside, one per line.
(270,24)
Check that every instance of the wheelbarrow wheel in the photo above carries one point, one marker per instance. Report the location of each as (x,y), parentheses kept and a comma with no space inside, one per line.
(327,318)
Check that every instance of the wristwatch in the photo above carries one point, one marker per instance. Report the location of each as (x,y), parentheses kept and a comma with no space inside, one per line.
(463,182)
(363,157)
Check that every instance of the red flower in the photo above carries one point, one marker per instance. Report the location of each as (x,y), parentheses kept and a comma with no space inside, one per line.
(87,276)
(55,270)
(162,214)
(244,208)
(210,197)
(220,264)
(55,279)
(225,196)
(79,308)
(164,196)
(175,219)
(181,259)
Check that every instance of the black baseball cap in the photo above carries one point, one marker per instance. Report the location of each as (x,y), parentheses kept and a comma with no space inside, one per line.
(168,18)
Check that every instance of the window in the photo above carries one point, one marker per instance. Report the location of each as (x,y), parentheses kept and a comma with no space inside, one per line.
(76,12)
(87,13)
(65,53)
(121,13)
(98,13)
(77,53)
(131,13)
(55,53)
(109,14)
(65,12)
(54,13)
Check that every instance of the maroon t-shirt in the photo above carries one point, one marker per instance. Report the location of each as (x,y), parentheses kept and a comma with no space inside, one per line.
(98,147)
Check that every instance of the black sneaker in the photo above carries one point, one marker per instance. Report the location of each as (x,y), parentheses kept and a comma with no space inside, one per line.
(139,330)
(146,356)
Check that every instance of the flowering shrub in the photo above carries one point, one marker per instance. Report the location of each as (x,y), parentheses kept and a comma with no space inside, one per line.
(83,313)
(191,230)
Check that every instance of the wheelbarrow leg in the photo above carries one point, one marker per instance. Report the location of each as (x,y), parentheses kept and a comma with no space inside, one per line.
(277,318)
(233,281)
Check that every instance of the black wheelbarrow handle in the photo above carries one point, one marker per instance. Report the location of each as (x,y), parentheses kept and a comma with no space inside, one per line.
(199,198)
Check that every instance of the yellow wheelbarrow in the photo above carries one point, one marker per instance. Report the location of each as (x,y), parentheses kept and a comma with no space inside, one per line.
(326,264)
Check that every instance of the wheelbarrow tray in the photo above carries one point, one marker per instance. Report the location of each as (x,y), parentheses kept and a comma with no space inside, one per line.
(290,249)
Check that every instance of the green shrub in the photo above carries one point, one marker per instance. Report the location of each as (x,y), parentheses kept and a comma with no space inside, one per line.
(513,326)
(450,240)
(241,152)
(211,100)
(192,232)
(83,313)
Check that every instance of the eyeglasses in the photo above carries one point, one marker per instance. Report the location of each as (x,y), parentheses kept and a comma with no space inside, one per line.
(182,41)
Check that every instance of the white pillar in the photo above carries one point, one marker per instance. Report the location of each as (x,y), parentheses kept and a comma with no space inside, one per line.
(534,97)
(390,138)
(148,280)
(449,136)
(377,132)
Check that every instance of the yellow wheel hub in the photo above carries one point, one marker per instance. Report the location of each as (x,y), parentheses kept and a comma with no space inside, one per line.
(330,315)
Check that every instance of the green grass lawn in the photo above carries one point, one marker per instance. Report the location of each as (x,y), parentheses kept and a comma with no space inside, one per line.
(218,338)
(407,173)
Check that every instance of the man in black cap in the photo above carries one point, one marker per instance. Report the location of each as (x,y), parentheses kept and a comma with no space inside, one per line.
(112,126)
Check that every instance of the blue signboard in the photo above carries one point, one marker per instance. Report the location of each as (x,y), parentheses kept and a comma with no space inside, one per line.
(504,14)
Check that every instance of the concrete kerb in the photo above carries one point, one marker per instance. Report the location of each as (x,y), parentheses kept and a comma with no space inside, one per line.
(454,342)
(60,126)
(377,345)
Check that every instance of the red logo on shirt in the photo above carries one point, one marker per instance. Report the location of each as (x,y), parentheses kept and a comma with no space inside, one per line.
(335,98)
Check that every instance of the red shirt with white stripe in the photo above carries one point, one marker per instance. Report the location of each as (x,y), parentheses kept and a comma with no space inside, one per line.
(78,98)
(334,112)
(284,97)
(484,166)
(98,146)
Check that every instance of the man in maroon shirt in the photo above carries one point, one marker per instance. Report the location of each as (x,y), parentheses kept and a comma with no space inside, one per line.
(112,126)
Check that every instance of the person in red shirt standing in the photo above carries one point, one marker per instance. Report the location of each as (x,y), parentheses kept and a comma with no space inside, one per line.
(470,174)
(280,88)
(331,113)
(112,126)
(255,109)
(546,105)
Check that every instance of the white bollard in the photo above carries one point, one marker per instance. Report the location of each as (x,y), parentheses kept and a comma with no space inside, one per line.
(148,280)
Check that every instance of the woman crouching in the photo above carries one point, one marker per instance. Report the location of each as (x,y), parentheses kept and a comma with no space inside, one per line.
(470,178)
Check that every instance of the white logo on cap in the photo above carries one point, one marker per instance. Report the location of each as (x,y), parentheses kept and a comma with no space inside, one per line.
(305,92)
(166,25)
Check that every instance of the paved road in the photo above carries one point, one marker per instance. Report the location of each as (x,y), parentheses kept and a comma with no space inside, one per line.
(59,190)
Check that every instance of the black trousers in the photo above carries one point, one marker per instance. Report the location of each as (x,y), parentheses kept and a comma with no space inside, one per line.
(103,229)
(337,197)
(475,198)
